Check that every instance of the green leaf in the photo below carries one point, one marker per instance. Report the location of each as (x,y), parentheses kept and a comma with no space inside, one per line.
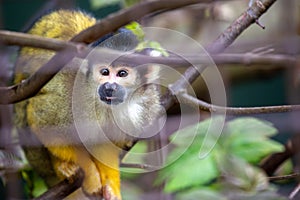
(129,3)
(189,171)
(248,138)
(250,128)
(243,140)
(96,4)
(254,152)
(137,30)
(35,185)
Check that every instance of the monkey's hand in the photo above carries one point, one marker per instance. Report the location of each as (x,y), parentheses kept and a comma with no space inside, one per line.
(101,169)
(107,162)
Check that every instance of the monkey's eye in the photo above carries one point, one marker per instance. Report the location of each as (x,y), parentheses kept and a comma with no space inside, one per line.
(122,73)
(104,72)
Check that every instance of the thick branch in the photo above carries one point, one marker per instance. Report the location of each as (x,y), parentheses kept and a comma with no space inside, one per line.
(23,39)
(251,58)
(123,17)
(63,188)
(32,85)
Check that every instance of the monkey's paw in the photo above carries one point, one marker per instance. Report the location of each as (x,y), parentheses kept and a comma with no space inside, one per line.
(108,193)
(91,185)
(66,169)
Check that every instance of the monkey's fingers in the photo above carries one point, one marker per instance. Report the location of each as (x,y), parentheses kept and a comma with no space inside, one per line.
(108,193)
(92,182)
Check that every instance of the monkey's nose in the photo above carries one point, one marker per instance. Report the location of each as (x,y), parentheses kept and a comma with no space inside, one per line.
(110,88)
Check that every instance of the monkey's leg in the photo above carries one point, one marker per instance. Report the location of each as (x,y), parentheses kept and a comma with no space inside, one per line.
(106,158)
(67,160)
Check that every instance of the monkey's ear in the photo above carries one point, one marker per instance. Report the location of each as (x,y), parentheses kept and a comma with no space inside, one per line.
(84,67)
(152,74)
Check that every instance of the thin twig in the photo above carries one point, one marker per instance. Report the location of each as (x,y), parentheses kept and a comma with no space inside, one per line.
(138,166)
(227,37)
(284,177)
(294,192)
(250,16)
(235,110)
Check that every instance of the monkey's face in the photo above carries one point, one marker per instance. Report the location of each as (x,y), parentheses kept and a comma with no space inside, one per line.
(114,83)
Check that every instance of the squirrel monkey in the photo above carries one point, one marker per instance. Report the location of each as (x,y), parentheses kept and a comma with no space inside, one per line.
(111,99)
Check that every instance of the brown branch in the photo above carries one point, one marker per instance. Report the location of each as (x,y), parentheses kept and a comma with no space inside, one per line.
(220,44)
(53,44)
(123,17)
(250,16)
(32,85)
(218,59)
(284,177)
(251,58)
(235,110)
(270,164)
(63,188)
(23,39)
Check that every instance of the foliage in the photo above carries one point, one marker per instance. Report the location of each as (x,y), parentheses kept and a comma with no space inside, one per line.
(228,169)
(35,185)
(96,4)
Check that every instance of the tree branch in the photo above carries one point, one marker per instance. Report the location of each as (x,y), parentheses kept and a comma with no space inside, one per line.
(24,39)
(138,166)
(235,110)
(32,85)
(249,58)
(63,188)
(123,17)
(294,192)
(284,177)
(250,16)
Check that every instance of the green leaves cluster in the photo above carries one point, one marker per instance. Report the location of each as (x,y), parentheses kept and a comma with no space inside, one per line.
(228,168)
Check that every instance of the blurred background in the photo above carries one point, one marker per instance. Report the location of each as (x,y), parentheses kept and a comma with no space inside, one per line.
(246,85)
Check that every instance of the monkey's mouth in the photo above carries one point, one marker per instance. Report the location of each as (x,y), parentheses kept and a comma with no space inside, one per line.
(111,93)
(111,100)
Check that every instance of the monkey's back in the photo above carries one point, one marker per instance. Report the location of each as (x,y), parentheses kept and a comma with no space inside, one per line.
(51,107)
(55,95)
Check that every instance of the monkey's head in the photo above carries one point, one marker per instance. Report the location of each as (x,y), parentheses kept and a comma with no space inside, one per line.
(115,83)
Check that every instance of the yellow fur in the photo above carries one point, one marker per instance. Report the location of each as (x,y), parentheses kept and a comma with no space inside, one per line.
(49,114)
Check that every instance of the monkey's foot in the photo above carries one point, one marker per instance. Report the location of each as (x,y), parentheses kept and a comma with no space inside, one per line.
(108,193)
(66,169)
(91,185)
